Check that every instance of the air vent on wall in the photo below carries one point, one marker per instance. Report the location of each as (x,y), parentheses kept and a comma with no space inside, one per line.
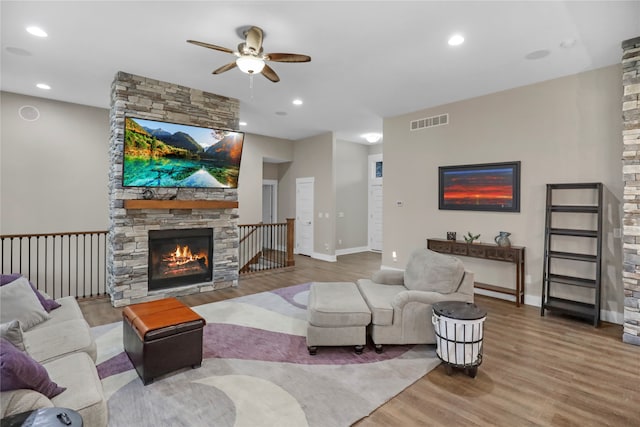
(429,122)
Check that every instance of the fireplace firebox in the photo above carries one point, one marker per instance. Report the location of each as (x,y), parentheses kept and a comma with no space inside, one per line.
(180,257)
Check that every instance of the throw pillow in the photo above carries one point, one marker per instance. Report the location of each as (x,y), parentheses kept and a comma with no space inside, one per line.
(18,370)
(17,301)
(47,303)
(12,332)
(432,271)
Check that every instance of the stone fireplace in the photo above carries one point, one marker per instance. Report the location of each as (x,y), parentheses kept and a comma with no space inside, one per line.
(136,215)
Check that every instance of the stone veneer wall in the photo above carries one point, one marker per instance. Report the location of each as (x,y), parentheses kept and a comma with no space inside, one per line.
(127,243)
(631,171)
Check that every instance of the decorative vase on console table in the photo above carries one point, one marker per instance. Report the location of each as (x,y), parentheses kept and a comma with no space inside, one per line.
(502,239)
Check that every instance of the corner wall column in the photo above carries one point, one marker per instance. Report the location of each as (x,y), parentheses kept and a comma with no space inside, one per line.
(631,172)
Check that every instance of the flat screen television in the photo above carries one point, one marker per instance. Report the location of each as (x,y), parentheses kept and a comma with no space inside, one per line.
(169,155)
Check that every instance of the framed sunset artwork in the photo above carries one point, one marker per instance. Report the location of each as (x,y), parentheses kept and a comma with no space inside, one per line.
(482,187)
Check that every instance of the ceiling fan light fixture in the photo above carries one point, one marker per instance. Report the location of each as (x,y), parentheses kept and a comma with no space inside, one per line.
(373,137)
(250,64)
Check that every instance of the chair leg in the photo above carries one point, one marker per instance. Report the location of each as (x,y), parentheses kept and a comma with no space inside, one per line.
(359,349)
(312,350)
(378,348)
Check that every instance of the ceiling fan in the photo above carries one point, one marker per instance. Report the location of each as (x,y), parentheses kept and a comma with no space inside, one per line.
(251,59)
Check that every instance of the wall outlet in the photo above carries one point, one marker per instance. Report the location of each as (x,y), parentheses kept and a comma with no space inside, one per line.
(399,203)
(339,241)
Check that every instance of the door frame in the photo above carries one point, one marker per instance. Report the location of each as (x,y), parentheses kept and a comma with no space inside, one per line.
(273,183)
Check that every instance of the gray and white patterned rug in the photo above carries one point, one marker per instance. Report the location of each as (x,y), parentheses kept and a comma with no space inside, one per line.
(256,371)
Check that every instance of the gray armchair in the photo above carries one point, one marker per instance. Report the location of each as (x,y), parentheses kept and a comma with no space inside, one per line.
(401,301)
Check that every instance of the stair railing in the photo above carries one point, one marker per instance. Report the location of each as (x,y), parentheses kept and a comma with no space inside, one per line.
(59,264)
(266,246)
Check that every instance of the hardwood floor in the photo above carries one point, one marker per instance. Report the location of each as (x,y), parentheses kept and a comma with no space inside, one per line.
(536,371)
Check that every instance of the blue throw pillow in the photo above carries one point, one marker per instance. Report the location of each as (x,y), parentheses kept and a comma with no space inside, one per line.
(19,371)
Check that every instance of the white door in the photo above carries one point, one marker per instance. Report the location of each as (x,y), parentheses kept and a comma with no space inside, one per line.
(375,218)
(375,202)
(304,216)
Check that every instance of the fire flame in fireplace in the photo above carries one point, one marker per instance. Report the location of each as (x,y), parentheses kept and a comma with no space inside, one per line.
(182,256)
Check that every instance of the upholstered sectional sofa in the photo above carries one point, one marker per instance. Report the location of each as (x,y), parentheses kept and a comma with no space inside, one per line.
(61,343)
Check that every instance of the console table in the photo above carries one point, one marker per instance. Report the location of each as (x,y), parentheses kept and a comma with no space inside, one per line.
(511,254)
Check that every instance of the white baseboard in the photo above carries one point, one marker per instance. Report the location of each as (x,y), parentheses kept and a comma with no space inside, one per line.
(497,295)
(324,257)
(386,267)
(348,251)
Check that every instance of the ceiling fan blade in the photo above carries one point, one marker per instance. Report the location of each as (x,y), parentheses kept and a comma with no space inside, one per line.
(210,46)
(287,57)
(270,74)
(254,37)
(224,68)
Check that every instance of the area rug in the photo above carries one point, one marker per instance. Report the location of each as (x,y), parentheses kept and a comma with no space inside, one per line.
(257,371)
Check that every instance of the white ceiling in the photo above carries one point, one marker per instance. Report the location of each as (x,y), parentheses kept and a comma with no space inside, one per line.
(370,59)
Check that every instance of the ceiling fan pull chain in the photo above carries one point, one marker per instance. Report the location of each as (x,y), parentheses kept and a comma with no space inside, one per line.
(251,84)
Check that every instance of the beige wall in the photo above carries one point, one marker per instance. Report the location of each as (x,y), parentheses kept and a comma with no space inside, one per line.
(53,171)
(270,171)
(255,149)
(563,130)
(351,160)
(313,157)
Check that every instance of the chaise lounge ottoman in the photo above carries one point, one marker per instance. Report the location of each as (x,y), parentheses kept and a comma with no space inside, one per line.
(337,315)
(161,337)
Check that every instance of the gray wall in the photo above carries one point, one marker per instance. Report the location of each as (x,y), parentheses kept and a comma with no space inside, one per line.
(313,157)
(53,171)
(351,161)
(563,130)
(255,149)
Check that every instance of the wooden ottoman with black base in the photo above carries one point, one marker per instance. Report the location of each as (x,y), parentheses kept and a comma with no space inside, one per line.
(161,337)
(337,315)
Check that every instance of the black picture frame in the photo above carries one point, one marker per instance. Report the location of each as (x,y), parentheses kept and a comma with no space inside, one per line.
(493,187)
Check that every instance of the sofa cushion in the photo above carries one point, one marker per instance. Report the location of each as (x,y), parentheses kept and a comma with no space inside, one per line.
(337,304)
(71,336)
(84,390)
(47,303)
(12,332)
(17,401)
(379,297)
(17,301)
(432,271)
(18,370)
(69,310)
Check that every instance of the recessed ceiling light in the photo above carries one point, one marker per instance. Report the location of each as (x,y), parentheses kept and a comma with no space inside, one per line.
(37,31)
(281,113)
(456,40)
(297,102)
(43,86)
(568,43)
(242,123)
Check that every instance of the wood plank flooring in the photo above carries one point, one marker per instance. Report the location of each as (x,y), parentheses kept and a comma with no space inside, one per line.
(536,371)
